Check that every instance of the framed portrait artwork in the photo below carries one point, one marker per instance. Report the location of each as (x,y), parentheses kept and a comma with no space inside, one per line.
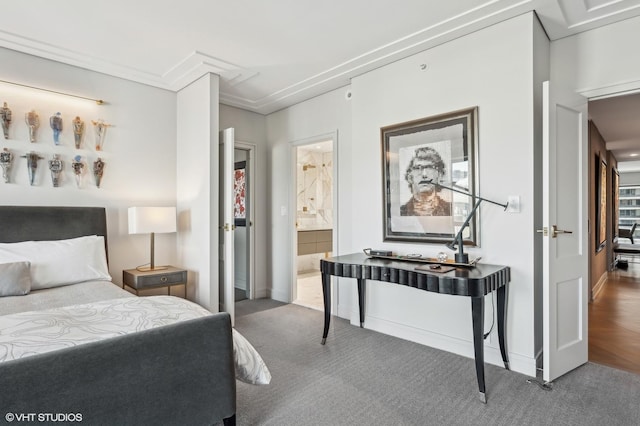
(615,198)
(601,206)
(420,159)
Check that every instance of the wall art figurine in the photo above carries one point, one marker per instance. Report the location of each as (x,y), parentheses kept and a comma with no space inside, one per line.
(5,115)
(100,128)
(55,121)
(6,158)
(32,165)
(78,131)
(33,122)
(98,169)
(56,165)
(78,169)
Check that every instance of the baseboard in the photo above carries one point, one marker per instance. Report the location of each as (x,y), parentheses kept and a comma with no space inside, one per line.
(518,363)
(344,311)
(261,294)
(280,296)
(597,288)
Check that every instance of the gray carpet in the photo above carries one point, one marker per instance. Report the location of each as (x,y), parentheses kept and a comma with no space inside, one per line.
(361,377)
(239,294)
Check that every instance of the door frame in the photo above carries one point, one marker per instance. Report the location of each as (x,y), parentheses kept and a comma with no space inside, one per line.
(251,223)
(592,95)
(293,201)
(226,146)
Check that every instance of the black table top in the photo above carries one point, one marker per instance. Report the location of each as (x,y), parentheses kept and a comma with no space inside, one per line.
(463,281)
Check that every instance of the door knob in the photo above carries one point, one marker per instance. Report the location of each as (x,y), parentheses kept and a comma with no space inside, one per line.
(554,231)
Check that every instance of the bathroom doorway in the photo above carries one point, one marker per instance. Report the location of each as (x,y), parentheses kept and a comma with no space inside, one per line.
(314,219)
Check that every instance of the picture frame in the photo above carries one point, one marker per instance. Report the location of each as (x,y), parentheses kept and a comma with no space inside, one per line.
(601,203)
(418,154)
(615,199)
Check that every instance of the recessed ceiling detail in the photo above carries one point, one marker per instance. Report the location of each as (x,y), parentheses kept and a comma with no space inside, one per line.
(198,64)
(268,58)
(587,14)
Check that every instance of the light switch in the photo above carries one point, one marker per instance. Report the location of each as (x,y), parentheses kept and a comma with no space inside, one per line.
(283,210)
(513,205)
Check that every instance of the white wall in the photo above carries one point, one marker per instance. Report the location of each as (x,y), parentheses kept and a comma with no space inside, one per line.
(197,188)
(326,114)
(492,69)
(139,149)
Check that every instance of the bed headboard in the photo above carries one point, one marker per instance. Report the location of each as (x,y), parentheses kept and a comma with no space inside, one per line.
(29,223)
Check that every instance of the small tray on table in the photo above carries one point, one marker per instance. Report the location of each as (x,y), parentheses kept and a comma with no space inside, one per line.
(419,259)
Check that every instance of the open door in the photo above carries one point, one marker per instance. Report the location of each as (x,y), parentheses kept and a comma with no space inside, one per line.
(565,232)
(226,225)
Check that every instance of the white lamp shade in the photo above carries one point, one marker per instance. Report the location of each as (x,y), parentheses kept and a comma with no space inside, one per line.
(145,220)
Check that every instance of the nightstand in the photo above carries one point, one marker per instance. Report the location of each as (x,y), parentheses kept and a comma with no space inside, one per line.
(142,280)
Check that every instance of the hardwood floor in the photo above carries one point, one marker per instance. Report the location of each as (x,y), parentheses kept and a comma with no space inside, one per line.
(614,321)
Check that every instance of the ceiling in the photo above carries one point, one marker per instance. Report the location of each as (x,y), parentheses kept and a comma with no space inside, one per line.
(269,54)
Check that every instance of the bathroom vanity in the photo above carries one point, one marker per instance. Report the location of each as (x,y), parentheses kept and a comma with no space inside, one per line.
(312,241)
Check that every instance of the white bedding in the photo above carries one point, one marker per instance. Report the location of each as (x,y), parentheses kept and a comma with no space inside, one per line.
(57,297)
(28,333)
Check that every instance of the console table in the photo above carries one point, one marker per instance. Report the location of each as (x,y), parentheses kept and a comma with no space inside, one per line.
(473,282)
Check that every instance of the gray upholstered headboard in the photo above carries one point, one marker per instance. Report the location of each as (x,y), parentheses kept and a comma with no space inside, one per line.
(29,223)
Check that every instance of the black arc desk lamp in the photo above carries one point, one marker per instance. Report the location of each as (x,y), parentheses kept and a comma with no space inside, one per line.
(461,256)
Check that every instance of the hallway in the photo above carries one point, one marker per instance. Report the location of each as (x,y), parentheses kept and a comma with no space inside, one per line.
(614,321)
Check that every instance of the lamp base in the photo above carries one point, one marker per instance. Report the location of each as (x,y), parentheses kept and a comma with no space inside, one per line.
(150,269)
(462,258)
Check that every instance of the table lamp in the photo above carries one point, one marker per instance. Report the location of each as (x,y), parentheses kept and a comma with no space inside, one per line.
(152,220)
(461,256)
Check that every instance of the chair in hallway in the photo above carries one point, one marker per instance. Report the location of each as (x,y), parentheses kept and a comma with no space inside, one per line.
(627,232)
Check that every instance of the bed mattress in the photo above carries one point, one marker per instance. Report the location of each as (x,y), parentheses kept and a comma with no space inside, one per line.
(76,314)
(33,332)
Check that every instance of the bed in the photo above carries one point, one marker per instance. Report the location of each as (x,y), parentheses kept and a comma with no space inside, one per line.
(74,347)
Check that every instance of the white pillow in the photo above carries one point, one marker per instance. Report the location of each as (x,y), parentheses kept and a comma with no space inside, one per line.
(58,263)
(14,279)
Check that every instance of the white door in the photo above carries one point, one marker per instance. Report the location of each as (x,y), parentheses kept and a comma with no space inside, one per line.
(226,225)
(565,263)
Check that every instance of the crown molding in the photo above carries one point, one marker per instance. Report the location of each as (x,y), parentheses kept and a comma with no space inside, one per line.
(197,64)
(81,60)
(577,15)
(488,14)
